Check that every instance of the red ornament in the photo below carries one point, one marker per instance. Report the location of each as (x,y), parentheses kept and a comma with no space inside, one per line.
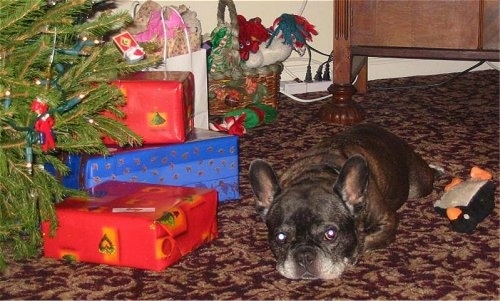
(44,124)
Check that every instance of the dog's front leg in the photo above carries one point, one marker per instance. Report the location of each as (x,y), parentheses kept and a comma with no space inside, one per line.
(379,230)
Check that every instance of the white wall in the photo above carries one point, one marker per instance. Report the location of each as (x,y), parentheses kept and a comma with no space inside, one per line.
(319,13)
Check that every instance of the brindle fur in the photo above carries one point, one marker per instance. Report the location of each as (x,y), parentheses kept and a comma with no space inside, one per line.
(356,179)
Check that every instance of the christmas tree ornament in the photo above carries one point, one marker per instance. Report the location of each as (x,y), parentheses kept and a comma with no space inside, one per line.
(131,50)
(134,54)
(44,124)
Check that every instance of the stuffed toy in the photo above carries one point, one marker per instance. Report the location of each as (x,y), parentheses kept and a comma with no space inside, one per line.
(268,54)
(251,34)
(467,203)
(294,30)
(289,32)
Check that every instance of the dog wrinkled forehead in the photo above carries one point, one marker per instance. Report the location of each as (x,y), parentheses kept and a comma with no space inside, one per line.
(306,221)
(306,206)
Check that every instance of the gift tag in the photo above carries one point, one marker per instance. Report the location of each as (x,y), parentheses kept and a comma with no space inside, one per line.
(133,210)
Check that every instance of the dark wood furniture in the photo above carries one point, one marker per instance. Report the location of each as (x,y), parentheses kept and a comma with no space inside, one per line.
(427,29)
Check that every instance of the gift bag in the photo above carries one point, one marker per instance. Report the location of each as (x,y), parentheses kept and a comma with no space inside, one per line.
(180,40)
(196,62)
(177,45)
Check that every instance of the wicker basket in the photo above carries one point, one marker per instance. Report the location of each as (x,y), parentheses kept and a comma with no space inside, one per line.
(231,85)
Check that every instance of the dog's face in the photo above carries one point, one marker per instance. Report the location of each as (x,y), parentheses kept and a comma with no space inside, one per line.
(312,222)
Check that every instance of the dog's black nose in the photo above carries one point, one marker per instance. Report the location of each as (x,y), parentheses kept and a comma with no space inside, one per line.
(305,256)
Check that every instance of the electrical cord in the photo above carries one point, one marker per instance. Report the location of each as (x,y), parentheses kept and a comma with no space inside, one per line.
(325,76)
(302,100)
(431,85)
(319,52)
(300,59)
(320,75)
(298,99)
(391,88)
(308,77)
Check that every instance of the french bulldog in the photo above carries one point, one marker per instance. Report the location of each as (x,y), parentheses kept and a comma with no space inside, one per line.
(337,200)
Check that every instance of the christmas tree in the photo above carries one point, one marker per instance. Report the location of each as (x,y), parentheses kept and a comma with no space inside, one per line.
(56,66)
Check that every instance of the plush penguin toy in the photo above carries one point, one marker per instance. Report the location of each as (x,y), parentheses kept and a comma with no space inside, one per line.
(467,203)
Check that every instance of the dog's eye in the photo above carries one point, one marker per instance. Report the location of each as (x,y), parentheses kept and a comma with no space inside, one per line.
(330,233)
(281,237)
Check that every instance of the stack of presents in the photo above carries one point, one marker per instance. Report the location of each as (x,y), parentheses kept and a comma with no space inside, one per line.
(147,206)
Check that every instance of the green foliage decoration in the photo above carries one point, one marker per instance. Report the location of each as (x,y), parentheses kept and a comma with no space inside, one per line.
(60,51)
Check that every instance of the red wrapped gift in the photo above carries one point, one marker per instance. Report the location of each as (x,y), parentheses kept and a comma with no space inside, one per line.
(160,105)
(138,225)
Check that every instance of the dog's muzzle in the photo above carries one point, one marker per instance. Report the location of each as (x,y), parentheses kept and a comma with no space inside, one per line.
(309,262)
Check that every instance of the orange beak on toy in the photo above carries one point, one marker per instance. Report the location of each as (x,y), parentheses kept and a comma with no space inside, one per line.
(453,213)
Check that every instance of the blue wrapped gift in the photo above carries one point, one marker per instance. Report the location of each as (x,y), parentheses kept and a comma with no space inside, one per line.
(207,159)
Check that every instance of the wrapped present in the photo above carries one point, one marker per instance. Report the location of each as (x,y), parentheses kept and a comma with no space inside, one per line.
(207,159)
(160,105)
(138,225)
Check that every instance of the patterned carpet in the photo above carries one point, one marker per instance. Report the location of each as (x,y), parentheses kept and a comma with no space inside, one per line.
(455,126)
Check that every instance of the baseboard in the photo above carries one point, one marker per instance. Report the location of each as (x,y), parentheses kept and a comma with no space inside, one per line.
(379,68)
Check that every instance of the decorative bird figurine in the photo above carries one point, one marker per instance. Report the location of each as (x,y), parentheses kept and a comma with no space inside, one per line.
(289,32)
(295,31)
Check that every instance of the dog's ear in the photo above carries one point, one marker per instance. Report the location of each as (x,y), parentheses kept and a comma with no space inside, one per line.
(352,183)
(264,184)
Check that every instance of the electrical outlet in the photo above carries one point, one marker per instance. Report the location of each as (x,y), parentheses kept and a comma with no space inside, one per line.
(293,87)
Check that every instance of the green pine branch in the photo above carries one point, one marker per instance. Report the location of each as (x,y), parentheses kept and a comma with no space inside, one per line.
(40,57)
